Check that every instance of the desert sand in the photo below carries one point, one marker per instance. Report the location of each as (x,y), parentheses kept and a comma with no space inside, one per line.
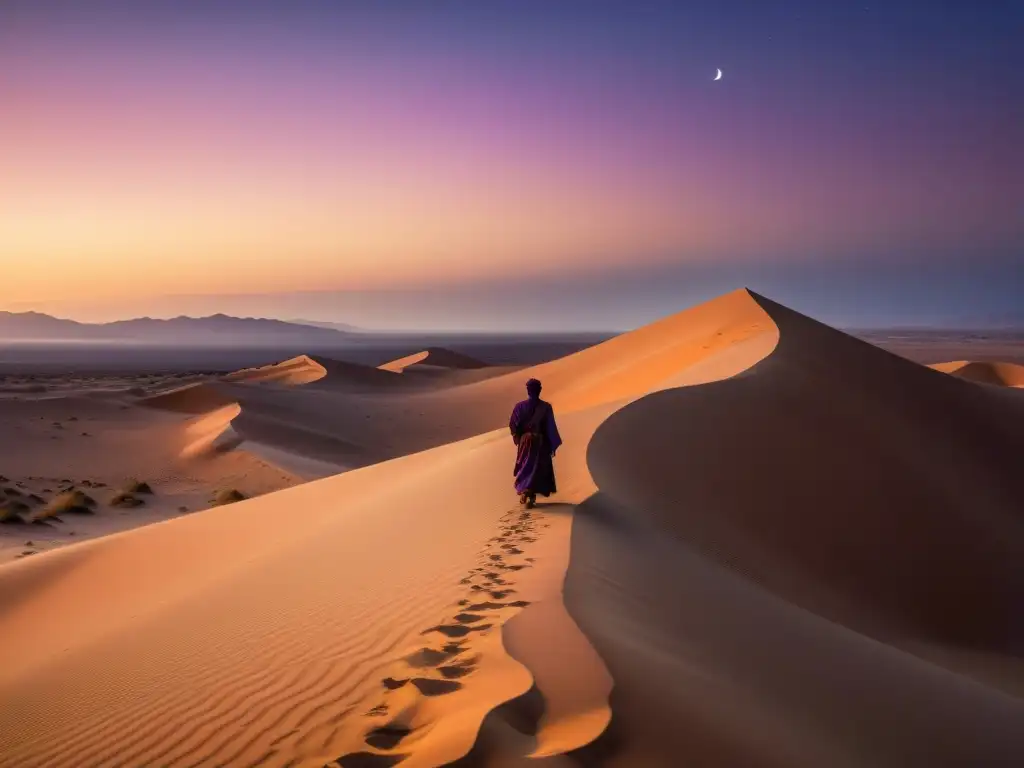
(773,545)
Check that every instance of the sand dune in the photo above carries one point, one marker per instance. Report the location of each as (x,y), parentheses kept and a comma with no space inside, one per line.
(434,357)
(1002,374)
(297,371)
(772,545)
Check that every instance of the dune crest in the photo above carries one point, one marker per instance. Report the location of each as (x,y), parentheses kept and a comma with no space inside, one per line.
(294,372)
(212,433)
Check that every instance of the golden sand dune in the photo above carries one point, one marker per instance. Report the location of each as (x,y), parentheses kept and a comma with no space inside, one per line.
(772,545)
(1002,374)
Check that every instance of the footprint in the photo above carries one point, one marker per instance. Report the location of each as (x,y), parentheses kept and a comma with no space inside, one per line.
(392,684)
(457,630)
(427,657)
(368,760)
(501,594)
(456,670)
(498,606)
(430,687)
(467,618)
(387,736)
(380,709)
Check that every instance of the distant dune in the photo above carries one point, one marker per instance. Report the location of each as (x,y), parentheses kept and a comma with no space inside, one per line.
(1003,374)
(295,372)
(773,545)
(434,357)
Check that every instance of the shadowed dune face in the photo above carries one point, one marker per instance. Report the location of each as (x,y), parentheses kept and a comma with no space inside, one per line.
(753,540)
(835,464)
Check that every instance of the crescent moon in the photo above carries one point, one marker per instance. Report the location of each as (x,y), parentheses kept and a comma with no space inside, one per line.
(719,75)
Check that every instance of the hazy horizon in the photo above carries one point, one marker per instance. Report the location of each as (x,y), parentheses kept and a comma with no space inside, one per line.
(627,300)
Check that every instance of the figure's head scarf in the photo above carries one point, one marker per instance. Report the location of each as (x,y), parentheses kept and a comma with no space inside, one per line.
(533,388)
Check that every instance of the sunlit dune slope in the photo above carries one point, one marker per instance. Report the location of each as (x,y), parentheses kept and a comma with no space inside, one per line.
(356,415)
(307,595)
(294,372)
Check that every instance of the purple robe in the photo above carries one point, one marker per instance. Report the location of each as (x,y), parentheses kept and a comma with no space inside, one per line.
(534,432)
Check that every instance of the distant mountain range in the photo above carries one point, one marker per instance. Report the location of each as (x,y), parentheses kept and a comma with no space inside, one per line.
(343,327)
(219,330)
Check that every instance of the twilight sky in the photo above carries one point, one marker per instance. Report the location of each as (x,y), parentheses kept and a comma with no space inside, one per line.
(523,164)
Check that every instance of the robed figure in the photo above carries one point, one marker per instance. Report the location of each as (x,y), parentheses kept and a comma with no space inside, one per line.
(536,437)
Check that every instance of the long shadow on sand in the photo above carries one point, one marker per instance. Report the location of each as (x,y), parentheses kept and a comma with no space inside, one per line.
(759,530)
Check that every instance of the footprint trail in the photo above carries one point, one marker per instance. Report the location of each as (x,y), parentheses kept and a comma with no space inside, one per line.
(447,658)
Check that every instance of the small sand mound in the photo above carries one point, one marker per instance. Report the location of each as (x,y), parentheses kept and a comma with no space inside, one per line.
(434,357)
(1000,374)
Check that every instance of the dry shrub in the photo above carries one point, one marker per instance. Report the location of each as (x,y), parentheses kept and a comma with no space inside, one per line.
(11,512)
(137,486)
(126,500)
(229,496)
(71,502)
